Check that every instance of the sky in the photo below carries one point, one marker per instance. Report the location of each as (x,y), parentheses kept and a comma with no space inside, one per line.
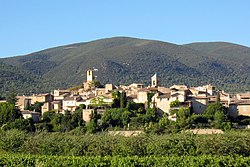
(30,25)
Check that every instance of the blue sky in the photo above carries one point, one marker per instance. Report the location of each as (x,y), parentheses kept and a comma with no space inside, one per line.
(31,25)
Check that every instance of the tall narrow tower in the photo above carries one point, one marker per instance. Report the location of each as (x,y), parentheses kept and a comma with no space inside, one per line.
(90,76)
(154,81)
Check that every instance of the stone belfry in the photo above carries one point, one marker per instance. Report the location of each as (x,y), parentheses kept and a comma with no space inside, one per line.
(90,76)
(154,81)
(90,79)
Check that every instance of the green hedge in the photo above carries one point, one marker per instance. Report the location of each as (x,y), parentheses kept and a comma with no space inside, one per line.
(67,144)
(19,160)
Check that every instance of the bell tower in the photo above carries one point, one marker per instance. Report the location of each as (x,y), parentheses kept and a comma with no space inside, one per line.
(154,81)
(90,76)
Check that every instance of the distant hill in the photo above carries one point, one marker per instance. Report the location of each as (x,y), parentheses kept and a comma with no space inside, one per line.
(123,60)
(22,81)
(237,56)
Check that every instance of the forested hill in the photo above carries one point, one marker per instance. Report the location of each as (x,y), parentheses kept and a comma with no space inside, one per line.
(123,60)
(237,56)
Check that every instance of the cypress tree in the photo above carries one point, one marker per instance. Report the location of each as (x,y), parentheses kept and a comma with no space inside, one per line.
(218,97)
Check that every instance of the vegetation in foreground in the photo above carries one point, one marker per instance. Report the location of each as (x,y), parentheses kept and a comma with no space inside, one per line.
(75,143)
(116,161)
(18,148)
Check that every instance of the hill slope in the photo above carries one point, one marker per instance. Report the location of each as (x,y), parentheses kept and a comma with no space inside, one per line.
(237,56)
(126,60)
(22,81)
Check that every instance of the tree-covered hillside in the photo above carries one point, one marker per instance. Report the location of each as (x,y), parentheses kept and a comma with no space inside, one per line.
(123,60)
(236,56)
(21,81)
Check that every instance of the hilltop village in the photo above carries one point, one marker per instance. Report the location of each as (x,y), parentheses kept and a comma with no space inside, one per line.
(92,96)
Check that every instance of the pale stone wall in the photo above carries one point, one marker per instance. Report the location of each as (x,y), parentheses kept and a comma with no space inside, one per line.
(21,102)
(56,93)
(163,104)
(142,97)
(177,96)
(199,105)
(244,109)
(126,133)
(46,107)
(108,87)
(86,113)
(69,105)
(205,131)
(34,116)
(100,91)
(57,106)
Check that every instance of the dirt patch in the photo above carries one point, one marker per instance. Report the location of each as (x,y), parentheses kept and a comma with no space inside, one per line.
(126,133)
(205,131)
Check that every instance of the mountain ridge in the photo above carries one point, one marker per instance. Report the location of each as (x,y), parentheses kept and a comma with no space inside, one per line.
(123,60)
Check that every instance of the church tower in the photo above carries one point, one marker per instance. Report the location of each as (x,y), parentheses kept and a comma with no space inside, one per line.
(90,76)
(154,81)
(87,85)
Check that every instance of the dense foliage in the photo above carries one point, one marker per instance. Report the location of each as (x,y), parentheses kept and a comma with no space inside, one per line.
(117,161)
(8,113)
(23,81)
(76,143)
(58,122)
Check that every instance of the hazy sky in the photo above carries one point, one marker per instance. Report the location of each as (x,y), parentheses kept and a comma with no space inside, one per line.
(31,25)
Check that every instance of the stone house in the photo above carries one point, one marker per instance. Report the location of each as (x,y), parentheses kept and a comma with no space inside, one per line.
(24,101)
(35,116)
(70,103)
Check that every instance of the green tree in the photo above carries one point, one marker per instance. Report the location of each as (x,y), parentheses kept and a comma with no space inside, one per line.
(218,115)
(184,117)
(66,121)
(28,106)
(132,106)
(48,116)
(97,84)
(1,96)
(92,125)
(149,98)
(56,122)
(219,119)
(12,140)
(123,99)
(126,117)
(116,99)
(21,124)
(11,97)
(162,125)
(37,106)
(213,108)
(175,103)
(218,97)
(76,119)
(200,120)
(8,113)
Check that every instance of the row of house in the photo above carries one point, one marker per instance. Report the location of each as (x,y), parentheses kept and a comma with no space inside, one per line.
(88,95)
